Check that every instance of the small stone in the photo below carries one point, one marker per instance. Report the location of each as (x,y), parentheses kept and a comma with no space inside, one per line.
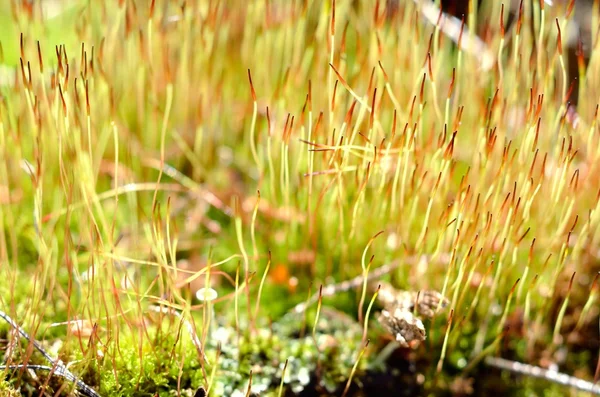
(403,325)
(304,376)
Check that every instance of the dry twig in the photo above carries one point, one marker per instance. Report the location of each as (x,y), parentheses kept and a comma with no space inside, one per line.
(538,372)
(56,368)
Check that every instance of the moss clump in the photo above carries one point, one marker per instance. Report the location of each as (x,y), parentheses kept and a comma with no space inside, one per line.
(7,390)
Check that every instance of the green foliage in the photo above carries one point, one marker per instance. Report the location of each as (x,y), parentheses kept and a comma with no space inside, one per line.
(8,391)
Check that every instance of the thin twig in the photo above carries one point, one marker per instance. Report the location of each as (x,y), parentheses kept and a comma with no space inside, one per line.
(357,281)
(347,285)
(538,372)
(53,370)
(57,367)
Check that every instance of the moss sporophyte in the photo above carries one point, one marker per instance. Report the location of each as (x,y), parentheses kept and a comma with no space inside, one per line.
(299,198)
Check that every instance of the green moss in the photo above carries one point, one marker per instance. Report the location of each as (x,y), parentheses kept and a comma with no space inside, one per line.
(7,391)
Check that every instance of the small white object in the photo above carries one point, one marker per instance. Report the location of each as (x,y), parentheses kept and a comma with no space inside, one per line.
(303,376)
(206,294)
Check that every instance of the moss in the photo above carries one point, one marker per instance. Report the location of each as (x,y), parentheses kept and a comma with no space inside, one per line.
(7,391)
